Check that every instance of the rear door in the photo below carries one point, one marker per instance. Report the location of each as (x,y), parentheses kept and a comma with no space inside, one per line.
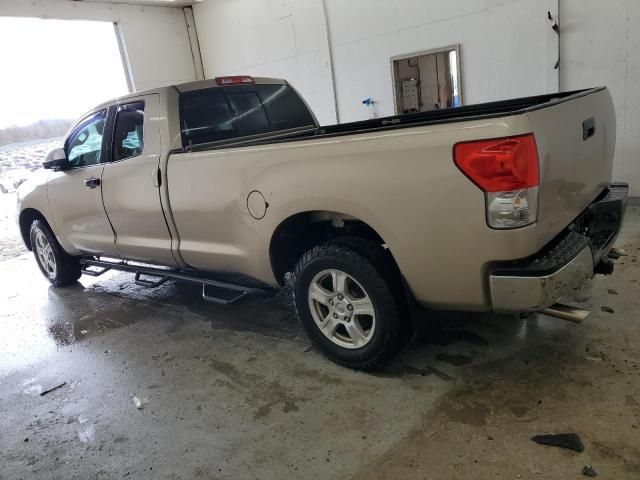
(131,182)
(576,142)
(208,192)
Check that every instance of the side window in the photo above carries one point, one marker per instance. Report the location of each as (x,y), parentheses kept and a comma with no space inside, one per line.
(206,116)
(84,145)
(222,113)
(128,139)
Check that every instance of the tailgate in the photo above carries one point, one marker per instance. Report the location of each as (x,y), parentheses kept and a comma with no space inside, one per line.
(576,142)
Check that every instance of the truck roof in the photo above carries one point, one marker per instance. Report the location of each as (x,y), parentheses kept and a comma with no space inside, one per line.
(189,86)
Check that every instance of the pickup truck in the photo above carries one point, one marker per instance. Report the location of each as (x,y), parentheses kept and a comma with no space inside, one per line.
(232,183)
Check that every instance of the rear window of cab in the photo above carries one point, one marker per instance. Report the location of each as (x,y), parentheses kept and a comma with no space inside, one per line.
(226,113)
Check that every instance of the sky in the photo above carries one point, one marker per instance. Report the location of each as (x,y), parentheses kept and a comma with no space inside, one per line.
(56,68)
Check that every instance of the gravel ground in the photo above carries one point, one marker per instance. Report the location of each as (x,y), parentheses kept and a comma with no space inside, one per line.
(18,162)
(10,242)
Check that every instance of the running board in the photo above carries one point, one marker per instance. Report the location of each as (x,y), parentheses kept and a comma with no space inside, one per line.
(213,291)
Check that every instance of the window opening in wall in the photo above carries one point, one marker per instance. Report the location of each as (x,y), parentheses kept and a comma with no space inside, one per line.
(427,81)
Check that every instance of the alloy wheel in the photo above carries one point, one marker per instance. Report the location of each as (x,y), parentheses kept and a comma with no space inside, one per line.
(342,309)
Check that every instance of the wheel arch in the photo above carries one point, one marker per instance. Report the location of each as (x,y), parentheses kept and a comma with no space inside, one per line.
(301,231)
(25,219)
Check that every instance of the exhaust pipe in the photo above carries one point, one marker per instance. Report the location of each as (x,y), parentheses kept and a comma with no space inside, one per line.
(566,312)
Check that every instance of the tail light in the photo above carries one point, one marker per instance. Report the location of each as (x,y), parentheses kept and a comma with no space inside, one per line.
(234,80)
(507,170)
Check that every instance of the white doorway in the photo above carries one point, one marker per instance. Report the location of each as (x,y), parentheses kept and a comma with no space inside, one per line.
(56,69)
(52,71)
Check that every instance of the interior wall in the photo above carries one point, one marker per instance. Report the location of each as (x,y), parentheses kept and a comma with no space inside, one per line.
(507,48)
(270,38)
(290,39)
(155,38)
(600,45)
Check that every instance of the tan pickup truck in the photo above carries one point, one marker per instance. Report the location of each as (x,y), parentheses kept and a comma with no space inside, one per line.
(231,183)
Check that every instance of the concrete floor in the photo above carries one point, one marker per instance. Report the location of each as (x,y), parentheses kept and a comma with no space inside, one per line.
(236,392)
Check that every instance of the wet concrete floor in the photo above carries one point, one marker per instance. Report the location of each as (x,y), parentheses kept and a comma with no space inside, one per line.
(237,392)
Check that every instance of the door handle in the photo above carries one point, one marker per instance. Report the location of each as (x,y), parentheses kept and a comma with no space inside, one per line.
(92,182)
(156,177)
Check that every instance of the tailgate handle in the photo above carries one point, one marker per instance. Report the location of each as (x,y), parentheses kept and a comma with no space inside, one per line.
(588,128)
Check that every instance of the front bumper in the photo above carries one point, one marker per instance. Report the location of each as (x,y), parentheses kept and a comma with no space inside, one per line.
(538,282)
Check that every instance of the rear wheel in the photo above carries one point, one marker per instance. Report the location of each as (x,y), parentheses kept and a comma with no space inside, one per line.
(347,307)
(56,265)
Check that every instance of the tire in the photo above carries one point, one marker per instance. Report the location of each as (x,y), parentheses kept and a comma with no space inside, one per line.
(346,294)
(385,264)
(60,268)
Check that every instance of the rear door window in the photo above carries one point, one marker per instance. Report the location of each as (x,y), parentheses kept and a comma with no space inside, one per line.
(128,134)
(225,113)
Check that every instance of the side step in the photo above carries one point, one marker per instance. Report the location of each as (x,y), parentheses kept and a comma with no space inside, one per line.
(221,295)
(149,283)
(213,291)
(93,271)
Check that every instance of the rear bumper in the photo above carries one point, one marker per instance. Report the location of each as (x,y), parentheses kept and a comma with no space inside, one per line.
(538,282)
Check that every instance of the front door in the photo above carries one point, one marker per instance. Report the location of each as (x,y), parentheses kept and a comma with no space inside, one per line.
(131,182)
(76,194)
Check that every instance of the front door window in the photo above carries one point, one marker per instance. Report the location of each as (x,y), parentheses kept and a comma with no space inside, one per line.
(84,145)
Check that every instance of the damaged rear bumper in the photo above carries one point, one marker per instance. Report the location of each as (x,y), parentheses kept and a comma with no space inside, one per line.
(538,282)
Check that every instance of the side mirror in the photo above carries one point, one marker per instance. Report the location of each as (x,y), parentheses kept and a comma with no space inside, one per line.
(56,160)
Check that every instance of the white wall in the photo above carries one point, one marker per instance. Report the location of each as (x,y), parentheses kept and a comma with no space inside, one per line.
(600,45)
(271,38)
(507,47)
(155,38)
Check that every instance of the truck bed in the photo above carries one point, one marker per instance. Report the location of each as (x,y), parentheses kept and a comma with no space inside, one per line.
(449,115)
(479,111)
(403,183)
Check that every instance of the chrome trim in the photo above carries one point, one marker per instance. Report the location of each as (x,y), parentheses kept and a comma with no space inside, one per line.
(529,294)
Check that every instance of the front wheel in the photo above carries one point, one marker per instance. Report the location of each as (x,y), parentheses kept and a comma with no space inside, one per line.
(60,268)
(347,307)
